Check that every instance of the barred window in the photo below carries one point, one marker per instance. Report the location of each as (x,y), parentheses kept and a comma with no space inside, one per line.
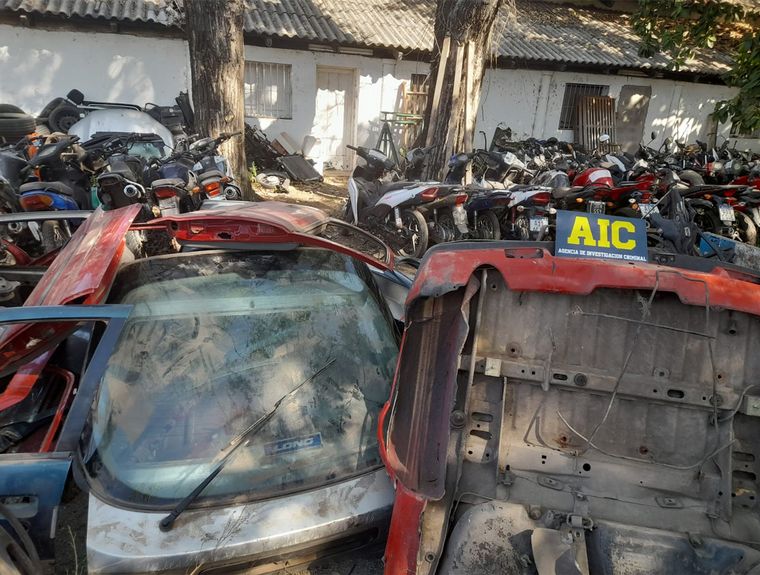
(574,93)
(268,93)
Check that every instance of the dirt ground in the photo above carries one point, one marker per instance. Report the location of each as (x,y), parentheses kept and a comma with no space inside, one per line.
(329,195)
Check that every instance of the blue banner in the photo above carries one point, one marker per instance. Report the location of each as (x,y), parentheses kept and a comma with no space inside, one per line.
(584,235)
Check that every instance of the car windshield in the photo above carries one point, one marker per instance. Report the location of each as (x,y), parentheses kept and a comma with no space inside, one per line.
(214,340)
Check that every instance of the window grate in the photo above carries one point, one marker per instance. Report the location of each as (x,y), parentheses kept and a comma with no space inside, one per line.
(268,91)
(574,94)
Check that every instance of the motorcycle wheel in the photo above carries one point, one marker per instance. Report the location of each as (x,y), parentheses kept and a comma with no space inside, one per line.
(747,229)
(53,236)
(522,228)
(707,221)
(415,224)
(447,230)
(487,226)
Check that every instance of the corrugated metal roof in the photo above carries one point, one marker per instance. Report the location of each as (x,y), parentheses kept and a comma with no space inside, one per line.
(549,32)
(403,24)
(542,32)
(158,11)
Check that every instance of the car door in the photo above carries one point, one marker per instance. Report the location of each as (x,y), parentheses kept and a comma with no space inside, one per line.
(52,354)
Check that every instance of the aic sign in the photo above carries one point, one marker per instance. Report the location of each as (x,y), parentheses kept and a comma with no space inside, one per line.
(583,235)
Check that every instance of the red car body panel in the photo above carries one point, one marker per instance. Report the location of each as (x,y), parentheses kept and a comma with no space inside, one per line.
(82,273)
(263,223)
(523,269)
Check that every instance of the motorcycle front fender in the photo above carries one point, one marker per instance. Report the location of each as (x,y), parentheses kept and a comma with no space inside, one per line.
(353,197)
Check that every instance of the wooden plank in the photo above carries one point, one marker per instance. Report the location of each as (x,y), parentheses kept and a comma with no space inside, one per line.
(438,87)
(456,95)
(469,120)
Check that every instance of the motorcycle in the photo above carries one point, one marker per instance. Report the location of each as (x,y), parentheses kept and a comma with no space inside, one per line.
(62,184)
(396,211)
(121,180)
(214,174)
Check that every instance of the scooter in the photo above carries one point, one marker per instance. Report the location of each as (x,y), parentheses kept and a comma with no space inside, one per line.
(61,185)
(395,211)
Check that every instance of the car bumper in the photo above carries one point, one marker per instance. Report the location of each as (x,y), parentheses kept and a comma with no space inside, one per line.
(285,531)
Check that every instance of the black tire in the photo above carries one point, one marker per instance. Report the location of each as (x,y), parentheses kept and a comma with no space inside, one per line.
(414,223)
(448,229)
(63,117)
(10,109)
(14,126)
(707,220)
(522,228)
(487,226)
(747,228)
(53,236)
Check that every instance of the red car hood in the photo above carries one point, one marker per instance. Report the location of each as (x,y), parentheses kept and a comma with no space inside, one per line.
(553,342)
(82,273)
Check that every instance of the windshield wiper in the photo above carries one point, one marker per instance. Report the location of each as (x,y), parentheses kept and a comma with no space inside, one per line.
(168,522)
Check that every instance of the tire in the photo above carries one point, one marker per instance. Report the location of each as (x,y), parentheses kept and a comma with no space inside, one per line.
(707,220)
(522,228)
(10,109)
(415,223)
(63,117)
(747,228)
(445,229)
(487,226)
(14,126)
(53,236)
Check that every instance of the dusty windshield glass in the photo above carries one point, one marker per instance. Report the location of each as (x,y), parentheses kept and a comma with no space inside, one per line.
(213,342)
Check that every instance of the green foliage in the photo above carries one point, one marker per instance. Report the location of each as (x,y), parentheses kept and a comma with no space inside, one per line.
(679,27)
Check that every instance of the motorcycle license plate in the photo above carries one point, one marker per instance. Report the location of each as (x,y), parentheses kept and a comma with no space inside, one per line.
(168,206)
(538,224)
(648,209)
(593,207)
(726,213)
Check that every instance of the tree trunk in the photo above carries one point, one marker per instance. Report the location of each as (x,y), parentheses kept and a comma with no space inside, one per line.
(217,62)
(463,32)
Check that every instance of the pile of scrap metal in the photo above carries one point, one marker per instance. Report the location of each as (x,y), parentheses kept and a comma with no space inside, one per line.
(276,163)
(60,114)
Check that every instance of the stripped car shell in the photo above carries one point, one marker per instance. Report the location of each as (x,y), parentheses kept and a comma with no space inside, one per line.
(554,415)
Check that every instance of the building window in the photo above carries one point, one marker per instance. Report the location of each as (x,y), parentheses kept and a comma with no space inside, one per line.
(268,93)
(574,93)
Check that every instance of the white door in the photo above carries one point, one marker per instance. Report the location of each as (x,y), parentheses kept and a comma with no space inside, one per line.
(335,118)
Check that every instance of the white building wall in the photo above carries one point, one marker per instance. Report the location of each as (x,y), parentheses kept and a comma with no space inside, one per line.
(530,102)
(378,89)
(38,65)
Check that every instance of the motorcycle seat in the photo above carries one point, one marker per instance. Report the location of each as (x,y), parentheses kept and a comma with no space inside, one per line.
(560,193)
(393,186)
(168,183)
(55,187)
(211,174)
